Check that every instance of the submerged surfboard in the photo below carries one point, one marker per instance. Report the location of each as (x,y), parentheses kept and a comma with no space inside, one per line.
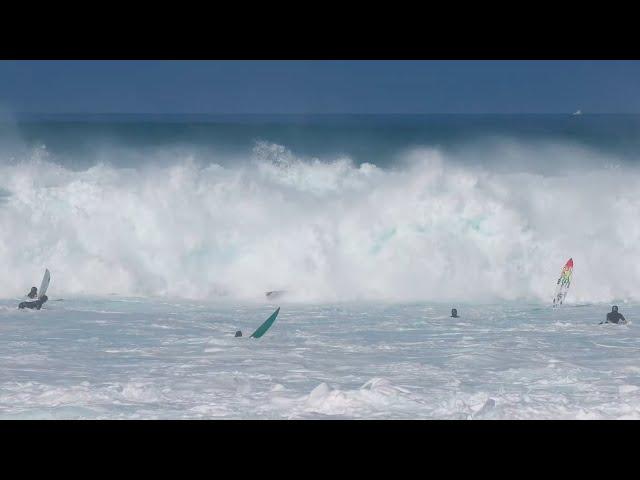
(563,283)
(45,283)
(262,329)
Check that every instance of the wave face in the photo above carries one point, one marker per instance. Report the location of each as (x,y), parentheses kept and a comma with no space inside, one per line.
(475,224)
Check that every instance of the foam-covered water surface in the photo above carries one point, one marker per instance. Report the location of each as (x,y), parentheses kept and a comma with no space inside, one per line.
(118,357)
(162,236)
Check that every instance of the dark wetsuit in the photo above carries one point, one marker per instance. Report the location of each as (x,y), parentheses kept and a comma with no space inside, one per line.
(36,304)
(615,317)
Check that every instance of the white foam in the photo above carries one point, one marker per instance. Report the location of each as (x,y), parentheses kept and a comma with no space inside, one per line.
(317,361)
(428,229)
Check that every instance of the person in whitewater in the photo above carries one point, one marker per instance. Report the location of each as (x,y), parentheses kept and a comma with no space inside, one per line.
(275,294)
(36,304)
(454,313)
(615,317)
(33,293)
(238,333)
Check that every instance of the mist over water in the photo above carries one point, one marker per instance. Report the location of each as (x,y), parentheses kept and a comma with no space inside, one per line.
(426,217)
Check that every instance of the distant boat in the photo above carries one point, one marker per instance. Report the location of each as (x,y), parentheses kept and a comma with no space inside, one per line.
(577,112)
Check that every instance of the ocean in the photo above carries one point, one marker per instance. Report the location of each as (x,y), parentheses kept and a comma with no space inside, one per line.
(163,233)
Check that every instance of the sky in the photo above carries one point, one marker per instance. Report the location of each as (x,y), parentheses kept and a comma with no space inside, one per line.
(319,87)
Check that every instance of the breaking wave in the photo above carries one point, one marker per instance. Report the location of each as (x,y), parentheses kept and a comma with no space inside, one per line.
(429,227)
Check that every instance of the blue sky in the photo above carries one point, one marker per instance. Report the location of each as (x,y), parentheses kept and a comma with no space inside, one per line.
(320,86)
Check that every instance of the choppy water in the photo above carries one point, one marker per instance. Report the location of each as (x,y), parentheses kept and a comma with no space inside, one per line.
(152,358)
(356,217)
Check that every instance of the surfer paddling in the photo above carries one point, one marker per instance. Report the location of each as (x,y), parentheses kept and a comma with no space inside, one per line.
(615,317)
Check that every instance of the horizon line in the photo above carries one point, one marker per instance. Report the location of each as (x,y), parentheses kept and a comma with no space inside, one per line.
(312,113)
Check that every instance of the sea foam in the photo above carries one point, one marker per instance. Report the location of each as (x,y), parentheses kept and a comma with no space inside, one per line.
(428,227)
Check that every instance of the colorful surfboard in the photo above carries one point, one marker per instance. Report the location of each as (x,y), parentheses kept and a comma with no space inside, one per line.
(563,283)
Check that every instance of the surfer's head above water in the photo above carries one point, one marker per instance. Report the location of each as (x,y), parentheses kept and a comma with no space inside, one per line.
(238,334)
(454,313)
(614,316)
(33,293)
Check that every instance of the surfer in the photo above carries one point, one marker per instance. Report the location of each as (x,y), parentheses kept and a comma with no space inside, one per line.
(615,317)
(36,304)
(454,313)
(33,293)
(274,293)
(238,333)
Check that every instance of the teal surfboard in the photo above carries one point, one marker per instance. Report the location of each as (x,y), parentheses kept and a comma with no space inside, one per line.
(262,329)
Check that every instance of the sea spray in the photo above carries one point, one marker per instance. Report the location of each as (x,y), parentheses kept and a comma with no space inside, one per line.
(430,228)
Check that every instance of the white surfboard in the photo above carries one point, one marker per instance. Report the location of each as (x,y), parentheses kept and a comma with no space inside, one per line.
(45,283)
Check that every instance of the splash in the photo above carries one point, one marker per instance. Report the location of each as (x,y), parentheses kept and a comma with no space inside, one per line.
(427,228)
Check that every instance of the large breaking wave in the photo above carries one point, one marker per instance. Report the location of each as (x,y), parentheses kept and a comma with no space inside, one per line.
(429,228)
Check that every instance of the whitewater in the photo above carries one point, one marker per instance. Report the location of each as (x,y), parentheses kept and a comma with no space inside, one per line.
(323,230)
(133,358)
(159,254)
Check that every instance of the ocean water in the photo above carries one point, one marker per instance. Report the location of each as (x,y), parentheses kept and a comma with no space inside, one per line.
(159,358)
(163,233)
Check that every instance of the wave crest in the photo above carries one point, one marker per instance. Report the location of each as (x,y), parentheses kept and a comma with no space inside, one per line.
(428,229)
